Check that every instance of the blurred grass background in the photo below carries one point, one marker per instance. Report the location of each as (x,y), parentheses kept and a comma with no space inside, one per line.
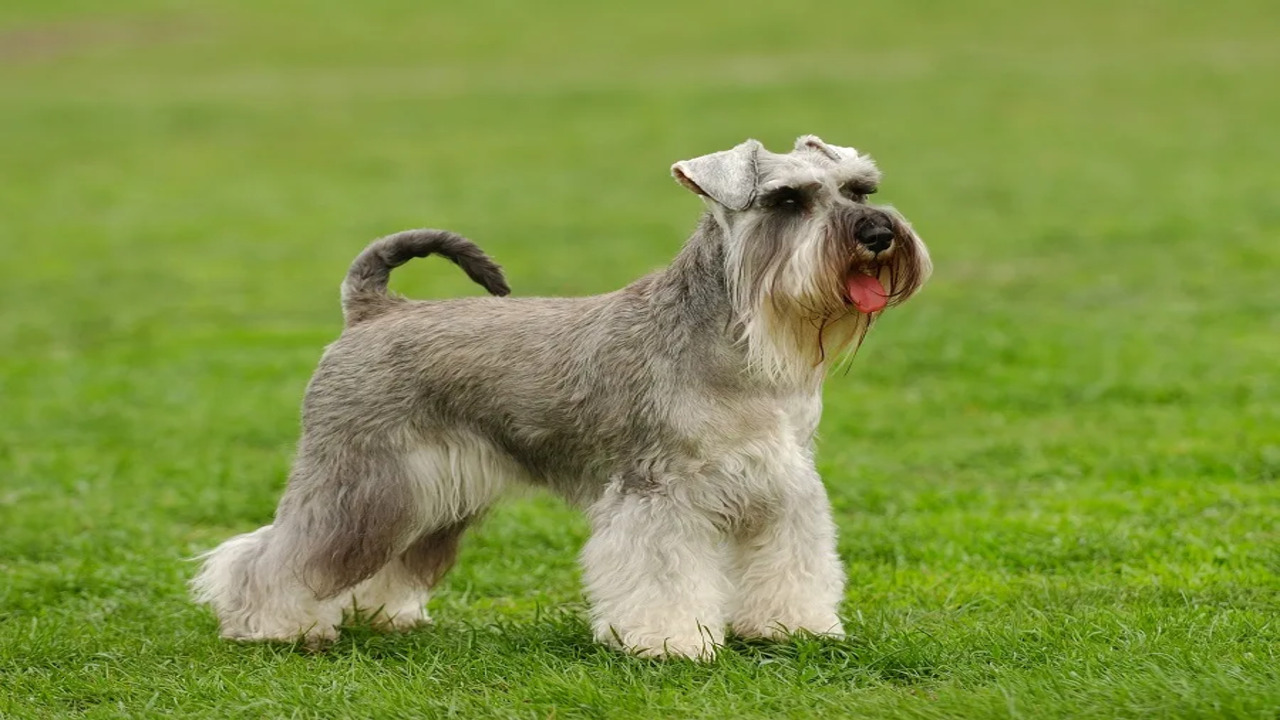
(1055,471)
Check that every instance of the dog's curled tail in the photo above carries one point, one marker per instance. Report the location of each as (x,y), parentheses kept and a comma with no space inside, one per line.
(364,291)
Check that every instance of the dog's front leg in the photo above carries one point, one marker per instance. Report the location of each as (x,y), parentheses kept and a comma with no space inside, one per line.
(786,572)
(654,570)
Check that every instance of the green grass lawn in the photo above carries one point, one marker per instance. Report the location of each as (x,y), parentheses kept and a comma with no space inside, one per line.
(1056,472)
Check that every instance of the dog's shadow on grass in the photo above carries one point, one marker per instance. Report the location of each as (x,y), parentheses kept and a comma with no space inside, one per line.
(562,641)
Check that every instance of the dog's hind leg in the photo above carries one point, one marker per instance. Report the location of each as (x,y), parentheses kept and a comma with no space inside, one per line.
(395,597)
(347,512)
(257,597)
(454,478)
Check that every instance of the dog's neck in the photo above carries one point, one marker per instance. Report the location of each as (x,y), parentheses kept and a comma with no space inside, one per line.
(695,285)
(695,289)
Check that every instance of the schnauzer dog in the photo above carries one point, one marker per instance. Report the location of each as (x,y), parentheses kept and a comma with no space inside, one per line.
(680,411)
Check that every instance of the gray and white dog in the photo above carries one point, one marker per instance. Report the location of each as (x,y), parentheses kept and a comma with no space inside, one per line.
(680,411)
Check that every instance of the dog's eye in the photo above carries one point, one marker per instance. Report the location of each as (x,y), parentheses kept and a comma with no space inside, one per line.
(857,192)
(786,198)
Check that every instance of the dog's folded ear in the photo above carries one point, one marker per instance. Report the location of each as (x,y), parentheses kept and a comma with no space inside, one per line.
(835,153)
(728,177)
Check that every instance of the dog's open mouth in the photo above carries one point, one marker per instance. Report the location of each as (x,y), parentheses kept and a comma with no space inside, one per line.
(866,292)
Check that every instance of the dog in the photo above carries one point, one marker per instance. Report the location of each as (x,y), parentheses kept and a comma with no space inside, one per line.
(679,411)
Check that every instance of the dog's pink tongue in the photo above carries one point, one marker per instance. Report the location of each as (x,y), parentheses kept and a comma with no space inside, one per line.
(866,293)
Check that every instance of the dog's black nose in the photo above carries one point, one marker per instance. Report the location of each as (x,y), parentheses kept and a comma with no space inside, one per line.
(875,236)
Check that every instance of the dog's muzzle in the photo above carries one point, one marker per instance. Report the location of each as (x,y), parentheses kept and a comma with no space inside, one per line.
(874,232)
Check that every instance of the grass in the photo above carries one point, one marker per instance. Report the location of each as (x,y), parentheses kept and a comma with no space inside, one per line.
(1056,472)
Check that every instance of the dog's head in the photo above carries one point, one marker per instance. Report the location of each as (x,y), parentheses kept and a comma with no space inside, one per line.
(809,261)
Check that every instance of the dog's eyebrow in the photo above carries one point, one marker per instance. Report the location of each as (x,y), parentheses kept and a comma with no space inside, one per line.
(807,186)
(861,184)
(866,178)
(803,192)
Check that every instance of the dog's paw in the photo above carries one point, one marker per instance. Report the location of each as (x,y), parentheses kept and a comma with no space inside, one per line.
(401,622)
(315,638)
(751,629)
(700,647)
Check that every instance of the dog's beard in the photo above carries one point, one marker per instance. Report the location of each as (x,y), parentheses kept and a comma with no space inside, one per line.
(794,283)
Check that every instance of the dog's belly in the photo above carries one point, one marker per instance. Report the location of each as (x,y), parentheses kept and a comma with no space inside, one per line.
(572,448)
